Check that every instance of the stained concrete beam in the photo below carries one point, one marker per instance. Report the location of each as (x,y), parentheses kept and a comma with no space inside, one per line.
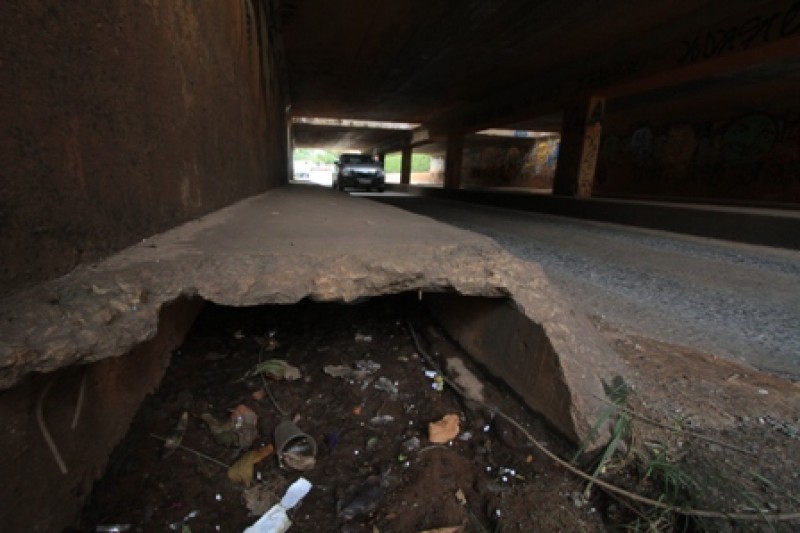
(305,242)
(702,45)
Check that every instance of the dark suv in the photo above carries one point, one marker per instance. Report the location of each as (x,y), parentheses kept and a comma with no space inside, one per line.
(358,170)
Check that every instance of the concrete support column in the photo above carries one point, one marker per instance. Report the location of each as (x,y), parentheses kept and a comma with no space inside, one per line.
(580,145)
(405,165)
(289,143)
(452,163)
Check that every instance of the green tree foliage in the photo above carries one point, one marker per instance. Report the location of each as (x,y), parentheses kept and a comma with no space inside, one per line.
(314,155)
(419,162)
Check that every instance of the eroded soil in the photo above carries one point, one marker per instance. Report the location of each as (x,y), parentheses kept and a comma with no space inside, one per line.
(498,473)
(488,478)
(732,431)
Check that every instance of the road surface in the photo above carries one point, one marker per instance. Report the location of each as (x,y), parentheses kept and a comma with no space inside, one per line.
(729,299)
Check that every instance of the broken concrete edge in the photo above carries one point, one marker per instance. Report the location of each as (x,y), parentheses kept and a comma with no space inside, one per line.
(43,331)
(574,414)
(106,310)
(551,360)
(83,432)
(587,362)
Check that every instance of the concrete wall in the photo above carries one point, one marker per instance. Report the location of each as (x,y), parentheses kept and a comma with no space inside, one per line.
(122,119)
(37,495)
(436,174)
(510,163)
(418,178)
(748,149)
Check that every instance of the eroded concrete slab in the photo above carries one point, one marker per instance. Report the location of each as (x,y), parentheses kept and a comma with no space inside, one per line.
(286,245)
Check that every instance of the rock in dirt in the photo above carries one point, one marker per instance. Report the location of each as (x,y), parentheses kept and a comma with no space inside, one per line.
(221,431)
(381,420)
(276,369)
(465,379)
(275,520)
(362,371)
(411,445)
(385,384)
(176,436)
(259,498)
(240,431)
(363,338)
(361,500)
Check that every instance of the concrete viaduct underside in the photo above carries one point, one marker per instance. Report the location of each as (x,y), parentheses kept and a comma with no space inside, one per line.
(655,99)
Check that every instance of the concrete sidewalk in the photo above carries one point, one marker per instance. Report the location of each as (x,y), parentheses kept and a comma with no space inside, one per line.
(752,225)
(306,242)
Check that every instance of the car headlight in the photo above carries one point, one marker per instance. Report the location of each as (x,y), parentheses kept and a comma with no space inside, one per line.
(380,174)
(346,172)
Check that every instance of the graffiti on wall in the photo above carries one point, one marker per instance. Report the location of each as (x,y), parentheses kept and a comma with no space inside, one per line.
(754,156)
(749,138)
(678,151)
(591,147)
(532,165)
(757,29)
(589,154)
(641,142)
(541,161)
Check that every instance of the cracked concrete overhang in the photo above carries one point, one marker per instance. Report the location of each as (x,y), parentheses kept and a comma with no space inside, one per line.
(286,245)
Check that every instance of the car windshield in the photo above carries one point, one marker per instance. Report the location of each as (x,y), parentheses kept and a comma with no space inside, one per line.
(356,159)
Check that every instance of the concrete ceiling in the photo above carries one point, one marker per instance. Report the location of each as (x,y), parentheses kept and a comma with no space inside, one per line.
(464,65)
(341,138)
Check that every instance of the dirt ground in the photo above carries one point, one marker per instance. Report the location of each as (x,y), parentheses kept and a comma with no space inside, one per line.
(372,475)
(735,432)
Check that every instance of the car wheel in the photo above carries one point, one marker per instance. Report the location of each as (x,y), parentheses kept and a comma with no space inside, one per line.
(340,185)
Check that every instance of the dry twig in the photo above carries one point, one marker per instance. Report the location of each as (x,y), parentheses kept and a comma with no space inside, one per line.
(677,430)
(193,451)
(43,426)
(79,402)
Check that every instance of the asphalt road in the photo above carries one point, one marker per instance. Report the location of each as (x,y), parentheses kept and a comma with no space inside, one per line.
(729,299)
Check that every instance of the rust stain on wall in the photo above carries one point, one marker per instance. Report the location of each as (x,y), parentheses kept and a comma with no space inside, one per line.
(113,107)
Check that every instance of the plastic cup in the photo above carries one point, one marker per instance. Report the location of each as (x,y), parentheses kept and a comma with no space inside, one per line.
(290,439)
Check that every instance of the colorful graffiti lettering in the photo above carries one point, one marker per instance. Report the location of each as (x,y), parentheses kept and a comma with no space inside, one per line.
(544,156)
(591,149)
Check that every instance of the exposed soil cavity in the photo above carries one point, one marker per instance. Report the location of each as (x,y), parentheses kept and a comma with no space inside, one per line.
(377,467)
(487,477)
